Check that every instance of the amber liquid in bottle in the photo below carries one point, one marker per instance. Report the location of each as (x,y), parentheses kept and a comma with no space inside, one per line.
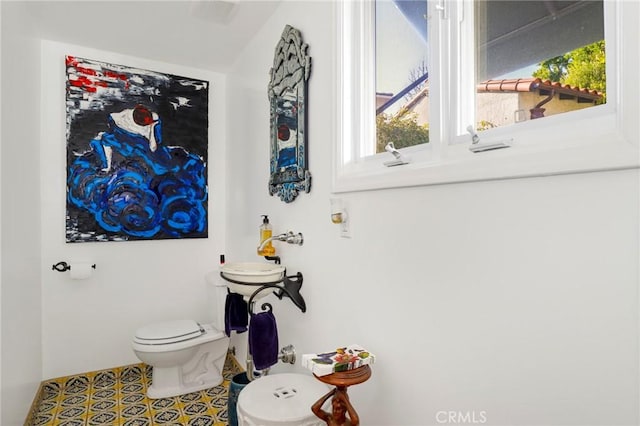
(268,249)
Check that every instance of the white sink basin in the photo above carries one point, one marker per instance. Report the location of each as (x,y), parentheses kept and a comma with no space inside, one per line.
(252,275)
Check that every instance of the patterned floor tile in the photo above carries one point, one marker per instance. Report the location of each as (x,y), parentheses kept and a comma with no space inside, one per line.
(118,397)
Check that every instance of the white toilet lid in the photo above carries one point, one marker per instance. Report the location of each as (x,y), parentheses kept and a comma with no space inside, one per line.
(162,333)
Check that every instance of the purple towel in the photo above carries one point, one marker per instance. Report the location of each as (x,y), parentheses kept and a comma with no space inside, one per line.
(263,340)
(235,314)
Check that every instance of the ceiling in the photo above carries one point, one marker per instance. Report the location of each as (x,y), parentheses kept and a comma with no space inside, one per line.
(205,34)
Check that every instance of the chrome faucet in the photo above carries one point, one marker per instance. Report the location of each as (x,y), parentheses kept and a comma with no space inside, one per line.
(289,237)
(286,355)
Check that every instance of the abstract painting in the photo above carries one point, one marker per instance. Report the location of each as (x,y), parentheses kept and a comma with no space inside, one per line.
(137,144)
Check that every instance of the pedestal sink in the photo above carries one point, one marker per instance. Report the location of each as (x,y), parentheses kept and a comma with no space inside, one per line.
(246,277)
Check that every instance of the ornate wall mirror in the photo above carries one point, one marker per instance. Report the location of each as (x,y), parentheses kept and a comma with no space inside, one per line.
(288,96)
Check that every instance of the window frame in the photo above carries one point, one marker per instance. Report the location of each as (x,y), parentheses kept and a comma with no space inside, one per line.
(602,137)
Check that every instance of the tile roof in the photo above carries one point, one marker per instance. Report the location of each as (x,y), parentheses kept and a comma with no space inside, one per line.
(532,84)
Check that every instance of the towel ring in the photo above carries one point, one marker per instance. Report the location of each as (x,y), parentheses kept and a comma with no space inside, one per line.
(266,307)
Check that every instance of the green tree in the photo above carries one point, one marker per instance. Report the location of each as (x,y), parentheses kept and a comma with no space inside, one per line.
(587,68)
(554,69)
(584,67)
(401,129)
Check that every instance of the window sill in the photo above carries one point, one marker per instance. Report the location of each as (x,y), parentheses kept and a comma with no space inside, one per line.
(610,152)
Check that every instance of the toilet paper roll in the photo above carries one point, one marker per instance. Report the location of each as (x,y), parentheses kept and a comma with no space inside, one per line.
(80,271)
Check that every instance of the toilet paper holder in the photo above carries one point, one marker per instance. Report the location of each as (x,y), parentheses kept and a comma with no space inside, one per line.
(64,266)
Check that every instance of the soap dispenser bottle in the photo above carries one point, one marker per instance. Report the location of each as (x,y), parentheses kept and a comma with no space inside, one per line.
(265,233)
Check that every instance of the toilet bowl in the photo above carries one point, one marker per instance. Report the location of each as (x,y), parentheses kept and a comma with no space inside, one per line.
(185,355)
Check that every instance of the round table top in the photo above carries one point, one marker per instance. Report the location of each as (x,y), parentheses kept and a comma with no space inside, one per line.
(347,378)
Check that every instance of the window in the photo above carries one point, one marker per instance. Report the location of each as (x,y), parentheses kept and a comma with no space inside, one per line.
(402,73)
(535,59)
(476,50)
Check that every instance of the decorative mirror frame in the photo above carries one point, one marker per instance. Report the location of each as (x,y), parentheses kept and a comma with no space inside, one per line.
(289,172)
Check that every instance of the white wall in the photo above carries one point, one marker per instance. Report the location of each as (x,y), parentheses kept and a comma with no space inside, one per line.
(21,261)
(51,325)
(89,324)
(517,298)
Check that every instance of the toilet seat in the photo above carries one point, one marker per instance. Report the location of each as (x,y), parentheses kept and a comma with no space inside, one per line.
(164,333)
(174,335)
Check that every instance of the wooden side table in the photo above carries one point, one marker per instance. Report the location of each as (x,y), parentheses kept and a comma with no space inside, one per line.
(340,402)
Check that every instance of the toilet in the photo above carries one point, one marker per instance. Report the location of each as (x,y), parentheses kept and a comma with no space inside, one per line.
(186,356)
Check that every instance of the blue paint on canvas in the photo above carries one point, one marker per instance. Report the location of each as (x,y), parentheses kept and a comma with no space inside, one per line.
(136,154)
(149,193)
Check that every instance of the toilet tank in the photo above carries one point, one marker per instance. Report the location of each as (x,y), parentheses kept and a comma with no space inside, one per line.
(218,291)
